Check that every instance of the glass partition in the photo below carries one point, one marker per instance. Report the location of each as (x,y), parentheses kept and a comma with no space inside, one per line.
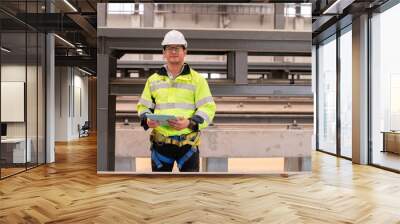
(31,100)
(22,89)
(346,93)
(327,95)
(41,97)
(385,89)
(15,151)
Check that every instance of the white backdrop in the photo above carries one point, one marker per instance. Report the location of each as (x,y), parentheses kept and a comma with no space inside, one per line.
(12,101)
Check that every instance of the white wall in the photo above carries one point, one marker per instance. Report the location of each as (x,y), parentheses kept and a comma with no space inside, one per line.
(80,110)
(13,73)
(61,103)
(71,103)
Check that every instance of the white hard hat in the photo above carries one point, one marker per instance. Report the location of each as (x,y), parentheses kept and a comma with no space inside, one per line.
(174,37)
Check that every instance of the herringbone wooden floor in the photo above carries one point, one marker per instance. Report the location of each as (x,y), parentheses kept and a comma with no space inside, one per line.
(69,191)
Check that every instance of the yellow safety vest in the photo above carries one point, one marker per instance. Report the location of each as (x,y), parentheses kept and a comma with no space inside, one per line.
(185,96)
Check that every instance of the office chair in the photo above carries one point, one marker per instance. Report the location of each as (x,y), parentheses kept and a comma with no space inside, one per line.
(84,130)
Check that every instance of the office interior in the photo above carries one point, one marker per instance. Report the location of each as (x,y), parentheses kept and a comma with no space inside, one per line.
(312,83)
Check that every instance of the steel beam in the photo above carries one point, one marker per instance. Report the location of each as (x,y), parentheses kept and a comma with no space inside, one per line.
(241,67)
(279,23)
(84,24)
(279,16)
(248,35)
(230,65)
(322,23)
(210,52)
(269,47)
(81,61)
(101,14)
(327,31)
(219,66)
(282,42)
(148,15)
(226,90)
(211,1)
(52,22)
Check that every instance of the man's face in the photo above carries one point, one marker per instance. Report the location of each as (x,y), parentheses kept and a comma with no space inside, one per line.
(174,54)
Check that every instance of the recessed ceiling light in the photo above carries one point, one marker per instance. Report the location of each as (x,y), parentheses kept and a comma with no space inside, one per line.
(64,40)
(5,50)
(70,5)
(338,6)
(86,72)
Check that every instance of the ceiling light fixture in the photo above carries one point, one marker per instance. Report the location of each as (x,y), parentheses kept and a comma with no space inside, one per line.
(5,50)
(86,72)
(334,5)
(65,41)
(70,5)
(337,7)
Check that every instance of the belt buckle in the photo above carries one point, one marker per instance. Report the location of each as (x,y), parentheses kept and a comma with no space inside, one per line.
(159,143)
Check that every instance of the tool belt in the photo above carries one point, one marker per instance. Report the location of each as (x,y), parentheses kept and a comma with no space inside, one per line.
(178,140)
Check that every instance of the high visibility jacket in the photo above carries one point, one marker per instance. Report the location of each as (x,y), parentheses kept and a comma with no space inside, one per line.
(188,95)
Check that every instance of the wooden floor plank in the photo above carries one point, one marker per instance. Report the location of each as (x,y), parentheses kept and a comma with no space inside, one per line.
(70,191)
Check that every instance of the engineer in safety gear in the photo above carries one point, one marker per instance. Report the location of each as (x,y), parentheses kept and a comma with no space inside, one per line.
(178,90)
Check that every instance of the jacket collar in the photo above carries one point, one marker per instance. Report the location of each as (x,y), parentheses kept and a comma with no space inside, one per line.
(185,70)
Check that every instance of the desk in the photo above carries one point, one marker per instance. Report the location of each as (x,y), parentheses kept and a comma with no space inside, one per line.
(15,148)
(391,141)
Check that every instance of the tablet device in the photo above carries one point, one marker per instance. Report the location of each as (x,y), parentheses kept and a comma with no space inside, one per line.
(162,119)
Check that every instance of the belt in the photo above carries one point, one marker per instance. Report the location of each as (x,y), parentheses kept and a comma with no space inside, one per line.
(178,140)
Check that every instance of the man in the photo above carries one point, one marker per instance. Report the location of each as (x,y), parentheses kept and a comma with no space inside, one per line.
(176,90)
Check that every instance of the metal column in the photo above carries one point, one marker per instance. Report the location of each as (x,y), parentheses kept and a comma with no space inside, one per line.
(360,90)
(105,114)
(50,93)
(279,13)
(279,24)
(238,66)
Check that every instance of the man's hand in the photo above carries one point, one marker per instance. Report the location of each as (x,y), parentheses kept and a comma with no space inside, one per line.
(152,124)
(179,124)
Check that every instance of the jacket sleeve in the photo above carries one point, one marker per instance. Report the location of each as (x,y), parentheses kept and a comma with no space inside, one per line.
(205,105)
(145,105)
